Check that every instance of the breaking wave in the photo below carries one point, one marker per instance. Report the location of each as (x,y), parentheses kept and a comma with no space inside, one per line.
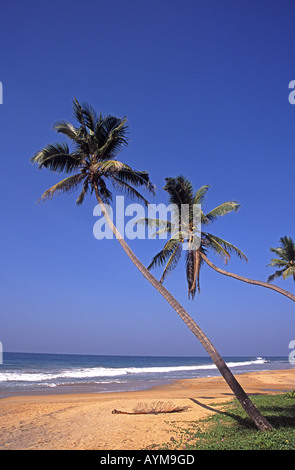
(88,373)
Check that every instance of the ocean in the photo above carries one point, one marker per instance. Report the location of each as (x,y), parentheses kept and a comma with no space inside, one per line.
(28,374)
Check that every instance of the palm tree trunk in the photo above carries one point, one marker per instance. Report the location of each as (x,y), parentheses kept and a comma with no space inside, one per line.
(243,398)
(249,281)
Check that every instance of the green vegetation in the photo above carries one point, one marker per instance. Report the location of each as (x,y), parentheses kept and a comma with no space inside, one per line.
(285,261)
(186,231)
(230,428)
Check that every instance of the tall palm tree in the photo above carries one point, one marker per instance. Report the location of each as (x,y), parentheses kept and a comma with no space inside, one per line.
(97,141)
(285,261)
(180,191)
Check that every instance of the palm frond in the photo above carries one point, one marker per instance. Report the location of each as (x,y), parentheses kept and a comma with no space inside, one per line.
(131,192)
(223,248)
(111,166)
(66,128)
(223,209)
(276,262)
(172,261)
(275,275)
(90,117)
(157,224)
(83,193)
(66,185)
(115,138)
(78,114)
(278,251)
(163,256)
(204,220)
(104,125)
(153,408)
(288,244)
(110,123)
(193,263)
(200,194)
(136,178)
(213,244)
(104,192)
(57,157)
(290,271)
(287,249)
(180,190)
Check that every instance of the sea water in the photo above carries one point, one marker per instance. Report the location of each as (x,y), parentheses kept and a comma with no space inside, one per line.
(26,373)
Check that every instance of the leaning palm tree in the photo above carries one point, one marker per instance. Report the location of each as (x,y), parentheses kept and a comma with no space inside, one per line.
(97,141)
(181,193)
(285,261)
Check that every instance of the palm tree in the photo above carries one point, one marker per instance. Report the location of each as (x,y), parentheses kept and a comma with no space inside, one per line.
(181,193)
(285,261)
(97,141)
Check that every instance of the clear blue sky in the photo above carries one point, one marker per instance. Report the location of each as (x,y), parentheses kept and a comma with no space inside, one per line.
(205,88)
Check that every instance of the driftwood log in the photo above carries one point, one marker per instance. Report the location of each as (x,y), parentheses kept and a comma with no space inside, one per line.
(153,408)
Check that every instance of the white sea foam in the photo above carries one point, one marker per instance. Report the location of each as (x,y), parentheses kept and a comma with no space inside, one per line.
(104,372)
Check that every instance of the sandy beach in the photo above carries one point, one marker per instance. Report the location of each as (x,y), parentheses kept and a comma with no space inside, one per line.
(86,421)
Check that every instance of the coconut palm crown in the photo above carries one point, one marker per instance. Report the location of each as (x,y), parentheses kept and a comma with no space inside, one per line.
(92,162)
(181,193)
(285,261)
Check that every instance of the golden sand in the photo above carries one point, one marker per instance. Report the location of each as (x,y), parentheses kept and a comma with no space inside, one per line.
(86,421)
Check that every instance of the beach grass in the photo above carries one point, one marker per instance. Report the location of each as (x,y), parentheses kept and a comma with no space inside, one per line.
(230,428)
